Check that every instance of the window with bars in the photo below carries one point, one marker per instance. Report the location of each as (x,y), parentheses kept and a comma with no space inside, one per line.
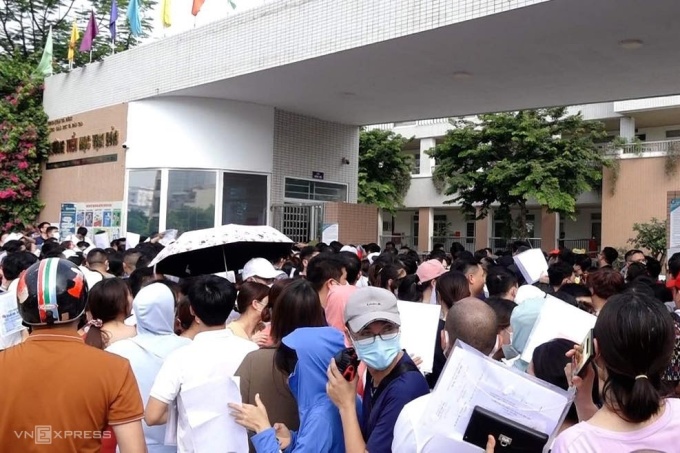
(303,189)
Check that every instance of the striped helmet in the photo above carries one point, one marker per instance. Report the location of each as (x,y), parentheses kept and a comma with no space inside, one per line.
(52,291)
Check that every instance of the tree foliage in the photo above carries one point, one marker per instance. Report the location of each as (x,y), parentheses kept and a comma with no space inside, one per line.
(384,169)
(24,143)
(651,236)
(506,159)
(24,25)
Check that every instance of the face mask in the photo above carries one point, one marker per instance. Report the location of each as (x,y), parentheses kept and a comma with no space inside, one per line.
(55,235)
(379,354)
(496,346)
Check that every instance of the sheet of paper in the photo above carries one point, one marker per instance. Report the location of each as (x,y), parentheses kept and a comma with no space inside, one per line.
(169,236)
(132,240)
(101,240)
(10,319)
(330,233)
(419,324)
(471,379)
(440,443)
(208,413)
(558,319)
(532,264)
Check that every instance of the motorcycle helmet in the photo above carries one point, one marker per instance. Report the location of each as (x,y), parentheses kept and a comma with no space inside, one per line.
(51,291)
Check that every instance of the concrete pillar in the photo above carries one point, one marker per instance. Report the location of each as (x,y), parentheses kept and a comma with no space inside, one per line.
(627,127)
(425,229)
(482,232)
(549,227)
(426,162)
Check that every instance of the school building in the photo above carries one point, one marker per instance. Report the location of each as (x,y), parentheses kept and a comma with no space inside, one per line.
(255,118)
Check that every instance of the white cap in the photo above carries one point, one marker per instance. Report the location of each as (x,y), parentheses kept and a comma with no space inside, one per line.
(372,256)
(349,248)
(259,267)
(69,253)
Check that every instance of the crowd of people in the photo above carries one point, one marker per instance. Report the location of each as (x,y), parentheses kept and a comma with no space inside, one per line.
(111,356)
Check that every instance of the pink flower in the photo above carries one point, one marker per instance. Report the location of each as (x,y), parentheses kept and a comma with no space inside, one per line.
(14,179)
(23,165)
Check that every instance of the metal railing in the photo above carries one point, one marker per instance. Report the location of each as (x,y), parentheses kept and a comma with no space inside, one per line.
(504,243)
(585,244)
(398,240)
(467,242)
(659,146)
(432,121)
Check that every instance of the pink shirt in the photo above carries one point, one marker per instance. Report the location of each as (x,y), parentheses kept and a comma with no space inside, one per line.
(662,435)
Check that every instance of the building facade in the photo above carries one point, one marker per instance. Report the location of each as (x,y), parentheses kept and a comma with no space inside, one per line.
(634,193)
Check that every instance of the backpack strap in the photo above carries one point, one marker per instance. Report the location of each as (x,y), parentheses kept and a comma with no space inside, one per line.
(403,367)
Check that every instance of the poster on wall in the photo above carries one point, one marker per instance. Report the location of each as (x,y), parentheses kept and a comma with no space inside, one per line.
(97,217)
(675,223)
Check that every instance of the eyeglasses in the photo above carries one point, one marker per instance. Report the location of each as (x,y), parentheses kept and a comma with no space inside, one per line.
(365,338)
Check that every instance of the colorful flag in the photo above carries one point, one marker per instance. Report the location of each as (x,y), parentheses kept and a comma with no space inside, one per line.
(133,18)
(167,20)
(197,7)
(75,36)
(45,66)
(91,32)
(112,20)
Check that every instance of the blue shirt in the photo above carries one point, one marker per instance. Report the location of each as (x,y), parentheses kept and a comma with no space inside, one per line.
(379,417)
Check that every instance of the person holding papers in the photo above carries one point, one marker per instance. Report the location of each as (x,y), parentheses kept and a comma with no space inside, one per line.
(196,376)
(470,321)
(633,342)
(393,380)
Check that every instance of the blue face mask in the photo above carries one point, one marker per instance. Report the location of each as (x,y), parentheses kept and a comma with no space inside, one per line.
(379,354)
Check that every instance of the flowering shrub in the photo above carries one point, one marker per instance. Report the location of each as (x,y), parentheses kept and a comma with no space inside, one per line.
(24,144)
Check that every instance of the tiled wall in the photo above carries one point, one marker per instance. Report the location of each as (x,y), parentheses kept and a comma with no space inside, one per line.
(274,35)
(304,145)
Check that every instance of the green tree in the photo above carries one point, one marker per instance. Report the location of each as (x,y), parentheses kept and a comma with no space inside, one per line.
(384,169)
(24,143)
(651,236)
(507,159)
(24,25)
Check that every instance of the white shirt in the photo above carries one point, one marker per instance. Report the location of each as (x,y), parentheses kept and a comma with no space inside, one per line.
(213,355)
(405,436)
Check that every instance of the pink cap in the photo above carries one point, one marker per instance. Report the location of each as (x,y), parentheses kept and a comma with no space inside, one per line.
(430,270)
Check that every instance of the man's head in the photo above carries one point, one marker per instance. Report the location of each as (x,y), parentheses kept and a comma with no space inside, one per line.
(260,270)
(324,271)
(42,228)
(97,259)
(473,322)
(560,273)
(82,232)
(52,232)
(15,263)
(130,258)
(607,256)
(211,299)
(634,256)
(306,254)
(373,321)
(474,272)
(352,266)
(502,283)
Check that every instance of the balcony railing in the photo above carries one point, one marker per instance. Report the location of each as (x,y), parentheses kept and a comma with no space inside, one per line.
(399,241)
(661,146)
(589,245)
(504,243)
(467,242)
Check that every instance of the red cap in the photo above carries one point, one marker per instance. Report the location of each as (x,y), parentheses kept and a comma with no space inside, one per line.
(554,252)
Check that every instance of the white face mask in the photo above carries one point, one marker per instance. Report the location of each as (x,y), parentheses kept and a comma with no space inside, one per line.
(55,235)
(496,347)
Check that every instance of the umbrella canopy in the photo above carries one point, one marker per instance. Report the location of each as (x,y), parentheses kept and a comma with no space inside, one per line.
(228,247)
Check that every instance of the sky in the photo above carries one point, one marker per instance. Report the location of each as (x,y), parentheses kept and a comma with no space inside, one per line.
(183,20)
